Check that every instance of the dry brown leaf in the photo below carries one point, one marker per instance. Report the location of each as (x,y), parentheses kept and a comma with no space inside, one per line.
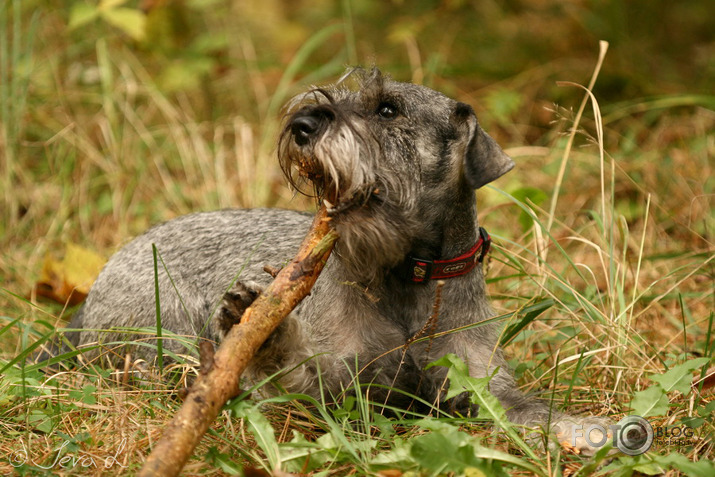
(68,280)
(569,448)
(390,473)
(708,381)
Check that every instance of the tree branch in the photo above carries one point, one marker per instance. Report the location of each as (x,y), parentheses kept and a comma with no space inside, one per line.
(219,378)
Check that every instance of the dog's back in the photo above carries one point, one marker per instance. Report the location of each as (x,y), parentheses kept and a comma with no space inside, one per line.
(198,258)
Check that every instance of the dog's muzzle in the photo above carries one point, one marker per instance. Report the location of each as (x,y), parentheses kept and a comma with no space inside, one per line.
(303,128)
(309,123)
(328,151)
(306,127)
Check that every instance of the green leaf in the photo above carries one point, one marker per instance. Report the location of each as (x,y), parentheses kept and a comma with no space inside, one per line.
(439,453)
(457,371)
(655,464)
(702,468)
(625,466)
(40,421)
(447,450)
(680,377)
(223,461)
(82,14)
(460,381)
(261,429)
(648,468)
(707,410)
(130,21)
(478,388)
(693,422)
(88,394)
(650,402)
(85,395)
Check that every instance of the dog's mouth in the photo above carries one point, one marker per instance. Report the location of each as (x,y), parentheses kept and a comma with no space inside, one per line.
(336,203)
(330,193)
(310,170)
(316,154)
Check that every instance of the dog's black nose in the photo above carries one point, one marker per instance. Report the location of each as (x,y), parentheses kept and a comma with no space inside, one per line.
(303,127)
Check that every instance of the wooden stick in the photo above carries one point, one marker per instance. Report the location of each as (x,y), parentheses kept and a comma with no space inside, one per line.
(218,380)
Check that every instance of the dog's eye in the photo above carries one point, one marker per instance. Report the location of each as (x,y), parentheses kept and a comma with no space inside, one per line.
(387,111)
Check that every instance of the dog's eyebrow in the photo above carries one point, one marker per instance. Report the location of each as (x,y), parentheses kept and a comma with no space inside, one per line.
(325,93)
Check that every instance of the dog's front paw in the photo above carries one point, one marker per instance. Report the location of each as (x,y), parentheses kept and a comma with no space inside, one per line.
(461,405)
(583,435)
(234,303)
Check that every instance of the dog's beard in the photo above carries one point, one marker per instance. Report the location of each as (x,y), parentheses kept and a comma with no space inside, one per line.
(371,204)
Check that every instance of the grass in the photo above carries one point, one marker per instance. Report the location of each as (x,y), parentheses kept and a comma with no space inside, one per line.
(602,272)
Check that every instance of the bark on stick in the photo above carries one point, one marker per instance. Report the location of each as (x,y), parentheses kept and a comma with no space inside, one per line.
(219,378)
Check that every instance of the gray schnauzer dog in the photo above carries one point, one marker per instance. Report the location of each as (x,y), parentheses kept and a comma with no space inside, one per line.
(397,165)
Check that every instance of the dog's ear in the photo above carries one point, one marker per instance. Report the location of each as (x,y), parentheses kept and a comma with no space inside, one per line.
(484,160)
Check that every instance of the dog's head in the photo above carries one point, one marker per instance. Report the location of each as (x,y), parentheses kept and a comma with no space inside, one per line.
(387,158)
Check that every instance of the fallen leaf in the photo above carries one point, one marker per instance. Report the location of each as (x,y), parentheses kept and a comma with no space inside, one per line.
(569,448)
(708,381)
(390,473)
(68,280)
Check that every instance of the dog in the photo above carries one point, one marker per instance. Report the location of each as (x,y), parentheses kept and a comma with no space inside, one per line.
(397,166)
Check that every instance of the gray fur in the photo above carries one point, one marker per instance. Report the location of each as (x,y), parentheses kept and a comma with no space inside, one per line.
(397,164)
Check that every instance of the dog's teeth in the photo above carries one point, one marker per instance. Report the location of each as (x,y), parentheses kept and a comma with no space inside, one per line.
(327,204)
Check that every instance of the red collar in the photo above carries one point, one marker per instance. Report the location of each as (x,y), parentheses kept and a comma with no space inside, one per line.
(420,270)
